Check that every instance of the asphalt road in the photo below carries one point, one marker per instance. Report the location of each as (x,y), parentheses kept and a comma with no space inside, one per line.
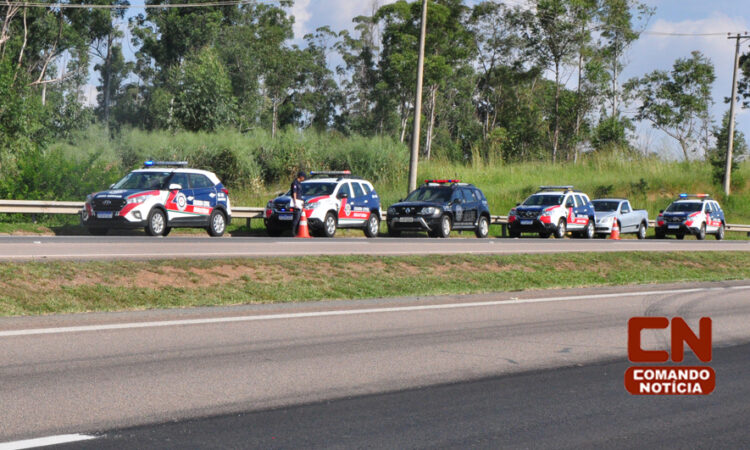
(576,408)
(102,372)
(15,248)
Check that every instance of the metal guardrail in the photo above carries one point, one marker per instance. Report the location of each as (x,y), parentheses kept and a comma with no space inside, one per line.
(238,212)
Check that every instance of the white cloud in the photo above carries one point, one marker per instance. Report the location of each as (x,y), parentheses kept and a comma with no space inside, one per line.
(302,15)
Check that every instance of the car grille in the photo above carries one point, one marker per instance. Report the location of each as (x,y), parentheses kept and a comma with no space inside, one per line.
(675,219)
(408,210)
(528,214)
(109,204)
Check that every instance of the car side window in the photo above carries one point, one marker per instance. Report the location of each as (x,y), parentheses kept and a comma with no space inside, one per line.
(198,181)
(625,208)
(571,202)
(457,196)
(479,195)
(358,192)
(367,188)
(181,179)
(468,197)
(344,189)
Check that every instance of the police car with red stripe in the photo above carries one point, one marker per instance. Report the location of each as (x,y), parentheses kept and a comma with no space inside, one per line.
(554,210)
(161,196)
(696,214)
(332,200)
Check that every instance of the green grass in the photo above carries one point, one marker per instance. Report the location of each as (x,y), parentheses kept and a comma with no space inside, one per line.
(68,287)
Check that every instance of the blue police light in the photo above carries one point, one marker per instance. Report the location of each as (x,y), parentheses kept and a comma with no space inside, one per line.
(149,163)
(683,195)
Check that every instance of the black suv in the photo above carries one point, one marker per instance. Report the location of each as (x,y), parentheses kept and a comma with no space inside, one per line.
(439,206)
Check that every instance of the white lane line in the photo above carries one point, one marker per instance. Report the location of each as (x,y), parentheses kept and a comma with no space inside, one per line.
(45,441)
(348,312)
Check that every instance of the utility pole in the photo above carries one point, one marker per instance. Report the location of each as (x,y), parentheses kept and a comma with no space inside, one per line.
(418,104)
(733,101)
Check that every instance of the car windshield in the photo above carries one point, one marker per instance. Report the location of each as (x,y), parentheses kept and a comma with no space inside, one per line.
(143,180)
(437,194)
(685,207)
(605,205)
(309,189)
(543,200)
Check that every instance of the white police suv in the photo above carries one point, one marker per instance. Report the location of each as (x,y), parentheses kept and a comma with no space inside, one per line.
(161,196)
(553,209)
(332,200)
(696,214)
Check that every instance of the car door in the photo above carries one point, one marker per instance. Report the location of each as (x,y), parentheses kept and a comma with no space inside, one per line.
(203,200)
(470,207)
(572,207)
(626,217)
(177,205)
(344,196)
(711,221)
(457,205)
(359,204)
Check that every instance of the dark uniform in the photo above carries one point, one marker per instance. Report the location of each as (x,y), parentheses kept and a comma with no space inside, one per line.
(296,193)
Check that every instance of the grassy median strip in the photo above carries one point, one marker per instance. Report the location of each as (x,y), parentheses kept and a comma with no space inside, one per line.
(67,287)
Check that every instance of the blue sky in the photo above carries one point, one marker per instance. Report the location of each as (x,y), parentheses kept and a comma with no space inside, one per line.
(650,52)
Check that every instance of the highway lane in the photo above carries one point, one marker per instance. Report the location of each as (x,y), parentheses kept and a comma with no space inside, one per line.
(581,407)
(98,372)
(137,247)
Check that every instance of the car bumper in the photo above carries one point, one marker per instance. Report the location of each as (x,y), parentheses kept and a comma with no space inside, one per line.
(115,222)
(536,226)
(680,229)
(417,223)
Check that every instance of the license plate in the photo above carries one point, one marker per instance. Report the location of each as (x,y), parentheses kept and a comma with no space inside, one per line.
(406,219)
(527,222)
(673,227)
(286,217)
(105,214)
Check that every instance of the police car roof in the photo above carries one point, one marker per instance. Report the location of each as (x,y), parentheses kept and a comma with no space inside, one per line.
(333,180)
(210,175)
(609,200)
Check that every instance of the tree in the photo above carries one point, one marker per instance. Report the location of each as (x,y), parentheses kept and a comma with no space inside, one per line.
(717,155)
(677,102)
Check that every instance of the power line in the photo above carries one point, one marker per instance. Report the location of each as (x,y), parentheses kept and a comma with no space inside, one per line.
(660,33)
(144,6)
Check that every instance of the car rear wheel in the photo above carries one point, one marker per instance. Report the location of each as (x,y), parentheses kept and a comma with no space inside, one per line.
(273,231)
(642,231)
(589,231)
(372,228)
(514,234)
(545,234)
(680,236)
(329,225)
(217,223)
(701,233)
(561,229)
(659,234)
(156,223)
(483,228)
(720,232)
(98,231)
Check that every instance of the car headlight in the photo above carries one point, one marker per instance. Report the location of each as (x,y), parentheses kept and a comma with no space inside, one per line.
(429,211)
(137,200)
(311,205)
(391,211)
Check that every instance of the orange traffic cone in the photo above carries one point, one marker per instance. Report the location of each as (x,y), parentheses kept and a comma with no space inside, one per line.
(615,232)
(302,231)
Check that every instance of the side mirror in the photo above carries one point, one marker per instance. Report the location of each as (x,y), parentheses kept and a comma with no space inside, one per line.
(112,185)
(342,195)
(400,200)
(661,211)
(175,187)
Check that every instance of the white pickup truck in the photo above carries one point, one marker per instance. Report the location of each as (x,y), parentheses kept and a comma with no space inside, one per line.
(609,210)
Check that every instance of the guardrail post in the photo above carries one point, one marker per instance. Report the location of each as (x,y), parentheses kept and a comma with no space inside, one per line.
(505,230)
(248,223)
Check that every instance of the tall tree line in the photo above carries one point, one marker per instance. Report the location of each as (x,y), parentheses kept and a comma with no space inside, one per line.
(540,81)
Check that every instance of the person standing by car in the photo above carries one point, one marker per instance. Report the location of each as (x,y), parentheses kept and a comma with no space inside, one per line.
(296,202)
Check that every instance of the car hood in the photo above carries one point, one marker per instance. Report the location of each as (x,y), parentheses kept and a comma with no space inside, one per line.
(417,204)
(603,215)
(285,199)
(119,193)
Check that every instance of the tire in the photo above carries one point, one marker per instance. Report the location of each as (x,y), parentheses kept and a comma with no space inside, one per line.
(98,231)
(167,231)
(589,231)
(720,233)
(680,236)
(702,233)
(329,225)
(483,228)
(659,234)
(561,229)
(392,232)
(156,223)
(372,227)
(642,231)
(545,234)
(445,227)
(217,223)
(514,234)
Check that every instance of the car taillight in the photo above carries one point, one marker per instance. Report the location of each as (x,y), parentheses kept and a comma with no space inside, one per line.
(225,190)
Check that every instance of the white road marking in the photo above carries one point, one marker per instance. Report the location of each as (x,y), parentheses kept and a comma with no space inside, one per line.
(349,312)
(45,441)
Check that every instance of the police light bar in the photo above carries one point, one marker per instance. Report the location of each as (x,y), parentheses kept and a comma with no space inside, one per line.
(549,188)
(695,196)
(334,173)
(152,163)
(442,181)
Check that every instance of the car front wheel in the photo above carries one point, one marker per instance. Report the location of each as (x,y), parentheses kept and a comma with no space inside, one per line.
(561,229)
(329,225)
(701,233)
(156,223)
(444,230)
